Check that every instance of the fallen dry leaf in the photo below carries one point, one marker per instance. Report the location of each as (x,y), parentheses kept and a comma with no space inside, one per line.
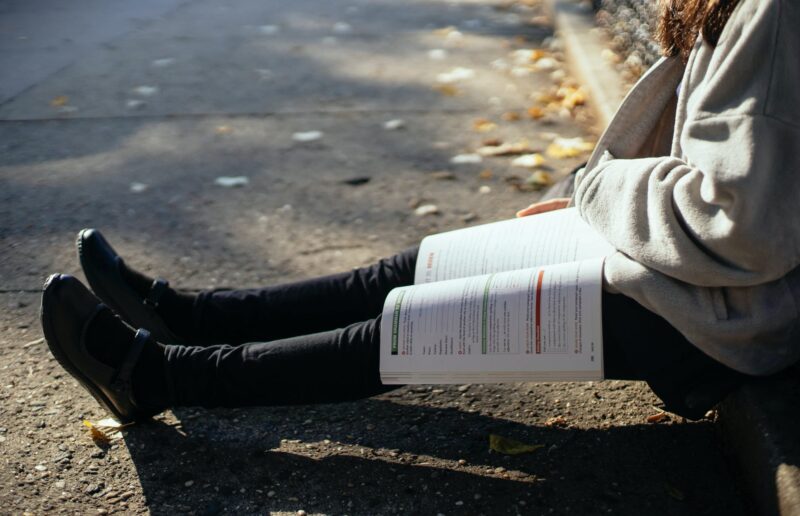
(486,174)
(491,142)
(539,179)
(462,159)
(307,136)
(443,175)
(232,181)
(105,430)
(456,74)
(393,125)
(508,446)
(483,125)
(342,28)
(145,91)
(535,112)
(546,64)
(505,149)
(138,187)
(563,148)
(556,421)
(657,418)
(448,90)
(529,161)
(571,97)
(163,62)
(437,54)
(444,31)
(59,101)
(610,56)
(426,209)
(511,116)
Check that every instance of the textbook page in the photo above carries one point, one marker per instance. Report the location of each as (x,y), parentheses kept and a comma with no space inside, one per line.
(536,324)
(547,238)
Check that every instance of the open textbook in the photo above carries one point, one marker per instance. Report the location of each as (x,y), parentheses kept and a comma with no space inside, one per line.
(517,300)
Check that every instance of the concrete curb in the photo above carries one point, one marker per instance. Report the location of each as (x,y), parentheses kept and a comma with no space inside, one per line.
(759,426)
(583,47)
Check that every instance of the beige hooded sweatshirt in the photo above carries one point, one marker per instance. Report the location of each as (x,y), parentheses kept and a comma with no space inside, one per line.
(708,229)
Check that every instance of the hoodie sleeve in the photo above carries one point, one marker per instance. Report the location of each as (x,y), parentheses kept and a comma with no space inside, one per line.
(726,213)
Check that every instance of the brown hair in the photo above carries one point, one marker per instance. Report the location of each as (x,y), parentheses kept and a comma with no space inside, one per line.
(682,20)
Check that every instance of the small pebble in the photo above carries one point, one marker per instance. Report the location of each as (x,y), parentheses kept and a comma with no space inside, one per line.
(189,483)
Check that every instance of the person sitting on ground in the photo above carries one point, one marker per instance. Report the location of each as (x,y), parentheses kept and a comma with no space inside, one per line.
(695,184)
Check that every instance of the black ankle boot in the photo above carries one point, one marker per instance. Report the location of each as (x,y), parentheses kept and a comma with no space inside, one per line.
(141,301)
(100,351)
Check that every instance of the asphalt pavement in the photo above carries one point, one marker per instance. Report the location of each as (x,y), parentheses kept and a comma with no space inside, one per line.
(337,121)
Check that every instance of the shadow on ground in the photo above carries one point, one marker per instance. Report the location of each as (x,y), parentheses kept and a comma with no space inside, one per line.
(382,456)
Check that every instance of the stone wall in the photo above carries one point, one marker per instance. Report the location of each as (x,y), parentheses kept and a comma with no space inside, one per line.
(631,25)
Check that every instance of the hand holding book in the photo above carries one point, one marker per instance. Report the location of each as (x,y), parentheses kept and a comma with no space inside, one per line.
(544,206)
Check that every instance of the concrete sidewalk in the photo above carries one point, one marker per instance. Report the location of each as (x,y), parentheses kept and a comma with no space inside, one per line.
(759,424)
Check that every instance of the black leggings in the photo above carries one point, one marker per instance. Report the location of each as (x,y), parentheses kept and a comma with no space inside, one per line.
(317,341)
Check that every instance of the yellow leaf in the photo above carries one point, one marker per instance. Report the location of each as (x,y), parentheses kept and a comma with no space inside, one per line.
(529,161)
(97,435)
(448,90)
(563,148)
(508,446)
(535,112)
(505,149)
(105,430)
(571,97)
(539,179)
(59,101)
(483,125)
(537,54)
